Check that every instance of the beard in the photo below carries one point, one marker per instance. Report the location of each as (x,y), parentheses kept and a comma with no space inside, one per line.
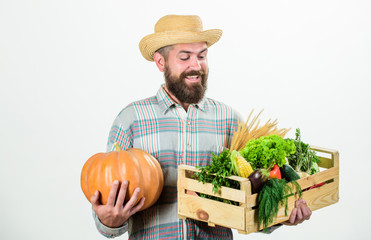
(179,88)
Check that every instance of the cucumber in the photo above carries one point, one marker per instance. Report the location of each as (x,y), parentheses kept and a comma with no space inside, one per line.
(289,173)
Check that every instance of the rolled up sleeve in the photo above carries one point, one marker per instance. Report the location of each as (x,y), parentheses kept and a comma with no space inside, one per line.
(107,231)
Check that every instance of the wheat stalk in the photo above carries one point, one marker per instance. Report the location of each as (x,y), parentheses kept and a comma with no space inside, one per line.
(247,131)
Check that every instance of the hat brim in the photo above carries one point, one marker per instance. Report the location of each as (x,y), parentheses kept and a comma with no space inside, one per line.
(151,43)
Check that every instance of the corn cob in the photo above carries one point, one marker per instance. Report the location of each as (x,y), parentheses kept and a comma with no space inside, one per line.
(244,167)
(240,166)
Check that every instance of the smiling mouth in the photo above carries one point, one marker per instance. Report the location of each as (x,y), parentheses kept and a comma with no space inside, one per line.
(193,78)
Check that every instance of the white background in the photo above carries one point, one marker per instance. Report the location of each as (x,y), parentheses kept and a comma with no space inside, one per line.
(68,67)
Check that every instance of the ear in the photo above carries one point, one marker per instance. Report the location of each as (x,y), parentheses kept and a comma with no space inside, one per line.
(160,61)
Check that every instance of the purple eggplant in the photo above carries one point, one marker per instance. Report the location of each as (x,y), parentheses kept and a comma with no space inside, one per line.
(258,178)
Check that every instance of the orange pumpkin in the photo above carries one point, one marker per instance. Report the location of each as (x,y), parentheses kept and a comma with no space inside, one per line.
(137,166)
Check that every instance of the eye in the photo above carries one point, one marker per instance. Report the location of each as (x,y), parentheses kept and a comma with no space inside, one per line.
(184,58)
(202,56)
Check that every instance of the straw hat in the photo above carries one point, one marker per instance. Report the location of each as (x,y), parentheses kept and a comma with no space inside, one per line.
(173,29)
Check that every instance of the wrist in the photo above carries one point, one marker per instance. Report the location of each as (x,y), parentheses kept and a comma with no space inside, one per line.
(112,224)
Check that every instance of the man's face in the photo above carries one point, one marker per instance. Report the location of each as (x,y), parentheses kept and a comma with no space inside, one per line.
(186,71)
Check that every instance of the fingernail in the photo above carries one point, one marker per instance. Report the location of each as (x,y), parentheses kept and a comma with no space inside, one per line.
(96,193)
(126,182)
(304,201)
(116,182)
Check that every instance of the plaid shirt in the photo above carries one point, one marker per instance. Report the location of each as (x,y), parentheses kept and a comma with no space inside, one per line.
(164,129)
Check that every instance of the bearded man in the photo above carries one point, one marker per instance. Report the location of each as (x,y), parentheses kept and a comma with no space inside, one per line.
(179,125)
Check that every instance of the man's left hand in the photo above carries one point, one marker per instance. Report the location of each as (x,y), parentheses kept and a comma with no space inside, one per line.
(300,213)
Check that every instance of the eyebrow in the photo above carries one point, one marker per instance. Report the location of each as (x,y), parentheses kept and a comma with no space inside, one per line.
(188,52)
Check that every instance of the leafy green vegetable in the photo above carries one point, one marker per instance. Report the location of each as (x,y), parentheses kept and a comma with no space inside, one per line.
(303,159)
(314,169)
(264,151)
(273,195)
(217,171)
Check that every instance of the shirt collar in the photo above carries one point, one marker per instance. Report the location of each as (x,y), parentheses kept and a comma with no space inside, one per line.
(202,105)
(165,102)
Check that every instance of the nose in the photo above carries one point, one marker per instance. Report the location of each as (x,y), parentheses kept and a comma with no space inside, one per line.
(195,64)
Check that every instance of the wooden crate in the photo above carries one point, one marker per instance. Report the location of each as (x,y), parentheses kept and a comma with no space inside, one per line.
(244,217)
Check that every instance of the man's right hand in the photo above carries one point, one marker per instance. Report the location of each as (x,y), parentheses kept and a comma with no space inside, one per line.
(115,215)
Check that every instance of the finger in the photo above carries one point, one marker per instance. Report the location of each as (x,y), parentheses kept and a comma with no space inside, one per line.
(113,193)
(298,202)
(122,194)
(299,214)
(305,210)
(308,208)
(130,204)
(293,216)
(95,200)
(138,206)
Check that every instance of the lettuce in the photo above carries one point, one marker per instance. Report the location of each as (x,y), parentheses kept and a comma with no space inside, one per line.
(262,152)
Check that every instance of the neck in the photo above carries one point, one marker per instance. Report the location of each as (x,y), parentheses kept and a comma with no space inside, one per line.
(184,105)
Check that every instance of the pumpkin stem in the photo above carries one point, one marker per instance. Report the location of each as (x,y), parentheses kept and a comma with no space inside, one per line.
(117,146)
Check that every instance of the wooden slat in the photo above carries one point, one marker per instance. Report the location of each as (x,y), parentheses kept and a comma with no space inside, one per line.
(335,156)
(319,177)
(207,188)
(211,211)
(193,169)
(187,167)
(322,149)
(245,187)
